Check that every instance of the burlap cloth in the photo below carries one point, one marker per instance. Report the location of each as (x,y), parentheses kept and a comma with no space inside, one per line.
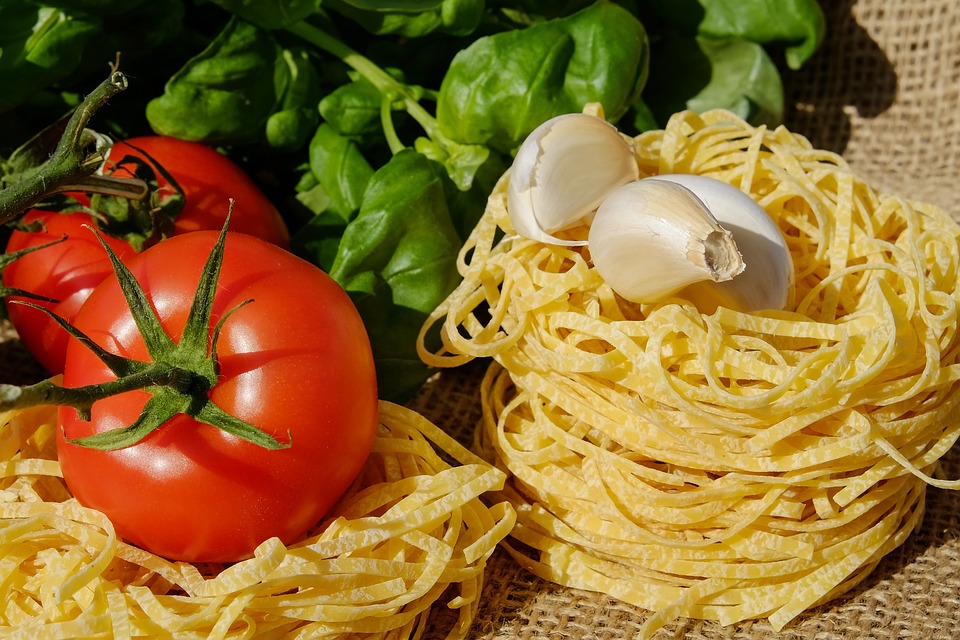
(884,90)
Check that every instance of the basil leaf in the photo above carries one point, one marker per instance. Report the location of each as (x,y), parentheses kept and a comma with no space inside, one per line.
(271,14)
(502,86)
(702,74)
(394,5)
(402,234)
(800,24)
(224,94)
(341,170)
(353,109)
(397,259)
(39,47)
(413,18)
(291,126)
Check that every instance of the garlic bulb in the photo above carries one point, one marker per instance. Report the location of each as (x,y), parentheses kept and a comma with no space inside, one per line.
(768,280)
(650,238)
(562,172)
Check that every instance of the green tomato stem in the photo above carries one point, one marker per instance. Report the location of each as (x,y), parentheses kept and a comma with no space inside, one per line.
(70,164)
(82,398)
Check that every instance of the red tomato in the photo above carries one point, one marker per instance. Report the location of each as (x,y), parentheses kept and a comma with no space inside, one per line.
(68,271)
(208,180)
(295,362)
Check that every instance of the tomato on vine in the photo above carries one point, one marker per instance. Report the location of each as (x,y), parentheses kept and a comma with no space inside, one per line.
(271,415)
(203,182)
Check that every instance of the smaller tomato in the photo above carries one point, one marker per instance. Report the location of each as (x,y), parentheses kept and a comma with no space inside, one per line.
(69,271)
(295,362)
(208,180)
(66,272)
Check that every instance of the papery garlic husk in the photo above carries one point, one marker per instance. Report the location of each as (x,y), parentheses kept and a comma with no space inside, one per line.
(562,172)
(768,281)
(651,238)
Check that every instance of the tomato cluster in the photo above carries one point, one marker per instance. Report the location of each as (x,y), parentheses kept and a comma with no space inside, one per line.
(69,271)
(295,361)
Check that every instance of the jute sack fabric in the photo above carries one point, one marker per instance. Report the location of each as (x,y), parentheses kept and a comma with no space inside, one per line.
(884,91)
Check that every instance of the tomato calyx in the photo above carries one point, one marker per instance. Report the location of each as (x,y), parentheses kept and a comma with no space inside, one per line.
(33,173)
(179,375)
(140,221)
(7,258)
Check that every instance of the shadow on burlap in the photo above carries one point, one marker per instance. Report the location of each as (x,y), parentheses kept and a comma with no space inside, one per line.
(883,91)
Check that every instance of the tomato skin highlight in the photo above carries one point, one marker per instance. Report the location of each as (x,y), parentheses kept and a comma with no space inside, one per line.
(68,271)
(295,362)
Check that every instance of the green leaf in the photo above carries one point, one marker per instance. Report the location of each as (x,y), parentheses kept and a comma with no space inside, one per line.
(412,18)
(95,7)
(54,45)
(502,86)
(353,109)
(393,332)
(467,206)
(39,47)
(403,235)
(397,259)
(395,5)
(643,118)
(289,129)
(296,118)
(462,161)
(341,170)
(319,239)
(799,24)
(224,94)
(271,14)
(702,74)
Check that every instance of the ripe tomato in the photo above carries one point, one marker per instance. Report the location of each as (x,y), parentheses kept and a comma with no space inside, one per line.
(295,362)
(208,180)
(68,271)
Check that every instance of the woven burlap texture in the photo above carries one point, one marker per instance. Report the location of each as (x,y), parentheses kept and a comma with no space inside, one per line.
(883,90)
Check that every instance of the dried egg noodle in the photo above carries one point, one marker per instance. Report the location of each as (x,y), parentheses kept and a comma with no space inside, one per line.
(724,466)
(413,526)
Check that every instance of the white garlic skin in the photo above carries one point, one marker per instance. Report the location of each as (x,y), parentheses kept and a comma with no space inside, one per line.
(651,238)
(768,280)
(562,172)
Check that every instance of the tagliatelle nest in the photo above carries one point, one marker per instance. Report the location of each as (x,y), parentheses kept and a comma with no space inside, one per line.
(727,466)
(413,528)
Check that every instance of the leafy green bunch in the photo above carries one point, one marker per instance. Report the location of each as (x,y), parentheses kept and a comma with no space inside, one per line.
(380,127)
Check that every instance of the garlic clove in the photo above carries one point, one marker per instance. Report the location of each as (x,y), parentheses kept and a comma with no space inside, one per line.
(650,238)
(562,172)
(768,280)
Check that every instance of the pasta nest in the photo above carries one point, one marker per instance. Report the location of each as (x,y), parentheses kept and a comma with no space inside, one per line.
(729,465)
(411,533)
